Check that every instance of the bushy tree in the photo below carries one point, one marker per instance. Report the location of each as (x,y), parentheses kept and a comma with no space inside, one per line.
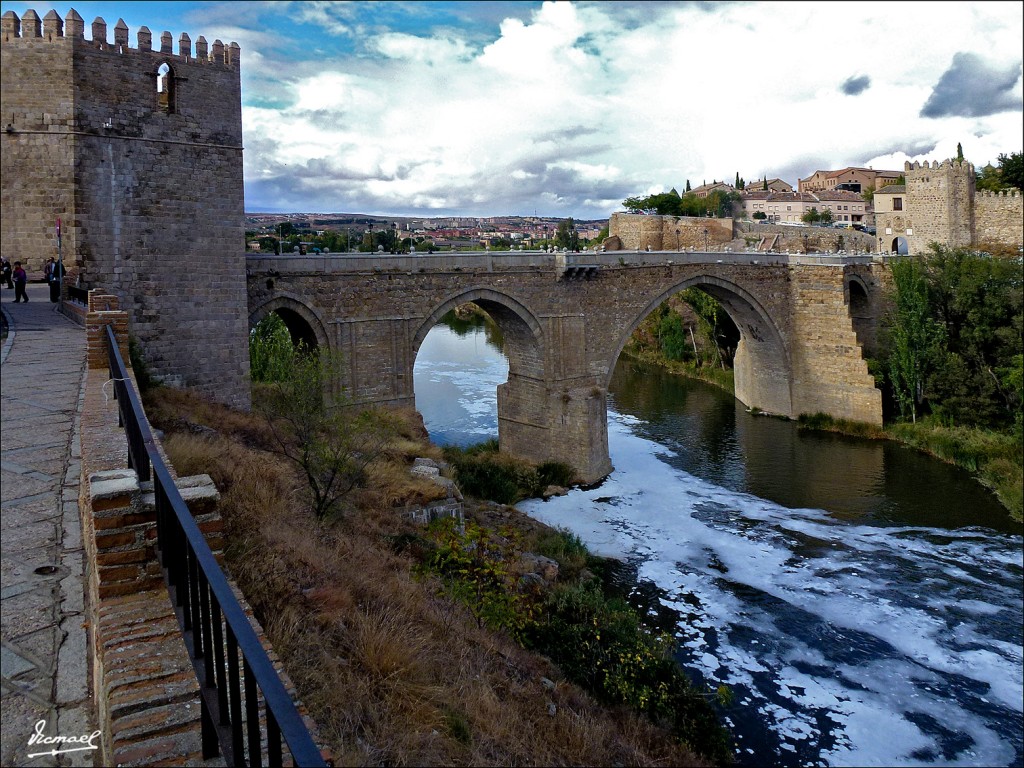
(811,217)
(270,349)
(718,203)
(566,235)
(914,338)
(316,428)
(977,300)
(954,337)
(1011,169)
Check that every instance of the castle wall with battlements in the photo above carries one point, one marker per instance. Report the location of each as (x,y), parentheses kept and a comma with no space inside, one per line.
(999,217)
(137,148)
(942,205)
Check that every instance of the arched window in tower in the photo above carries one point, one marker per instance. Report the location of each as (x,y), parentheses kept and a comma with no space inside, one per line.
(165,87)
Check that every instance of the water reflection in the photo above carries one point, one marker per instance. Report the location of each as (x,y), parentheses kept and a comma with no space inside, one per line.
(457,371)
(711,435)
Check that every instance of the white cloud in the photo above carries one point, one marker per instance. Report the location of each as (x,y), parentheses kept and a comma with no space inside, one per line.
(571,108)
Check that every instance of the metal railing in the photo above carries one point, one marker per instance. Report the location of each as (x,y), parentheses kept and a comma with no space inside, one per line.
(213,625)
(78,294)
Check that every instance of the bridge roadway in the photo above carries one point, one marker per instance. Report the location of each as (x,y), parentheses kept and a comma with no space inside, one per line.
(566,317)
(44,657)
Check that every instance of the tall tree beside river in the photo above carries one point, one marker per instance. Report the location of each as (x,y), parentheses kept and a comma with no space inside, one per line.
(954,344)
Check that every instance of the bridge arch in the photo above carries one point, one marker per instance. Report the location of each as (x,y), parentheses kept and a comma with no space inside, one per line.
(762,366)
(303,323)
(519,326)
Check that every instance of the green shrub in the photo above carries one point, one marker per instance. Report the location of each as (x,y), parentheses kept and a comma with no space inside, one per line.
(598,642)
(565,547)
(603,645)
(473,564)
(484,473)
(555,473)
(143,376)
(270,349)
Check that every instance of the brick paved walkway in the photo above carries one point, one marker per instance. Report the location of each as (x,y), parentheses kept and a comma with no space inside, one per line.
(44,658)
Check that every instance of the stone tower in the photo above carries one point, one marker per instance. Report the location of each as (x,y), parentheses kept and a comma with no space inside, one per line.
(139,152)
(940,203)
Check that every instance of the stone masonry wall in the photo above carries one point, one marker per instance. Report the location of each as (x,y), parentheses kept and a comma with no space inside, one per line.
(938,203)
(149,188)
(36,171)
(668,233)
(999,217)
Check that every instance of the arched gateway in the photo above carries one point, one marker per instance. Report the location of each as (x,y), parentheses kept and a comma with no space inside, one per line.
(565,322)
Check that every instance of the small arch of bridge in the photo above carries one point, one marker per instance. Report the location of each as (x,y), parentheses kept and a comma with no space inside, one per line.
(303,322)
(521,329)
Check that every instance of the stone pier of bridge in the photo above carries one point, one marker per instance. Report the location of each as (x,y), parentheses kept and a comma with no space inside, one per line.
(803,320)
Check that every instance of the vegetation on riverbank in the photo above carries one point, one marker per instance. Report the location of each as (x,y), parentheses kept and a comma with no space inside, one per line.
(951,363)
(484,473)
(415,647)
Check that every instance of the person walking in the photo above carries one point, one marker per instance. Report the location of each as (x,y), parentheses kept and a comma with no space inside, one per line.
(56,275)
(5,273)
(48,270)
(20,279)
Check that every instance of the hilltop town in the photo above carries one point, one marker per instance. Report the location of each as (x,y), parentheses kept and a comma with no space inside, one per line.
(947,207)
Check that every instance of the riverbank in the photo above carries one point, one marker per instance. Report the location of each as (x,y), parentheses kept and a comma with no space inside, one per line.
(996,460)
(393,650)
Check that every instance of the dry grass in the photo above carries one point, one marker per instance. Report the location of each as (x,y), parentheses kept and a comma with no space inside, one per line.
(392,671)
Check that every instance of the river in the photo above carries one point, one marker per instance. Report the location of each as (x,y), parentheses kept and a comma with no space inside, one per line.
(862,601)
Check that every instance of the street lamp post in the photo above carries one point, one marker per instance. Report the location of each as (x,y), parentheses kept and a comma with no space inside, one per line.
(394,233)
(677,238)
(370,231)
(705,239)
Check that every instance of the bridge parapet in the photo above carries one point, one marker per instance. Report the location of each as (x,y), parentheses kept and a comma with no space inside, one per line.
(472,261)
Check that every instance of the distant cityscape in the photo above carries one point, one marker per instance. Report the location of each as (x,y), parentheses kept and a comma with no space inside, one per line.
(764,198)
(442,231)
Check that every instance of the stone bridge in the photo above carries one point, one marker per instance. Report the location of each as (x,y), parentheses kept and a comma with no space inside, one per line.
(565,318)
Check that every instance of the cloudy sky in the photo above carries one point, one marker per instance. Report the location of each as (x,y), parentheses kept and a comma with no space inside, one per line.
(567,108)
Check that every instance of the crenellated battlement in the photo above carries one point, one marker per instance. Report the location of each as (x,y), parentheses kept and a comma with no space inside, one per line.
(943,205)
(1002,193)
(955,166)
(52,29)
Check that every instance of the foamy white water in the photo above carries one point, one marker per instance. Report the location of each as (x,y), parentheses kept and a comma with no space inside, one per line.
(844,643)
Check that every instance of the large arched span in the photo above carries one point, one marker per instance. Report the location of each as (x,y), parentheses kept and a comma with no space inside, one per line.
(519,327)
(523,427)
(303,323)
(762,366)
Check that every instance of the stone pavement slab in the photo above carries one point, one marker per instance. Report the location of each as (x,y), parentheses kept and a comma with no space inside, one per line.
(44,655)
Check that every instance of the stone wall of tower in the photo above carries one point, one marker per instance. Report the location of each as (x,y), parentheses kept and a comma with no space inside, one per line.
(940,206)
(148,184)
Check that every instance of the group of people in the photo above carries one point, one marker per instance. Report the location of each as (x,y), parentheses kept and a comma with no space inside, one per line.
(15,277)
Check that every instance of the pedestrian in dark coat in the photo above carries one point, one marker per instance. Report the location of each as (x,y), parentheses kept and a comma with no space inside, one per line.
(20,280)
